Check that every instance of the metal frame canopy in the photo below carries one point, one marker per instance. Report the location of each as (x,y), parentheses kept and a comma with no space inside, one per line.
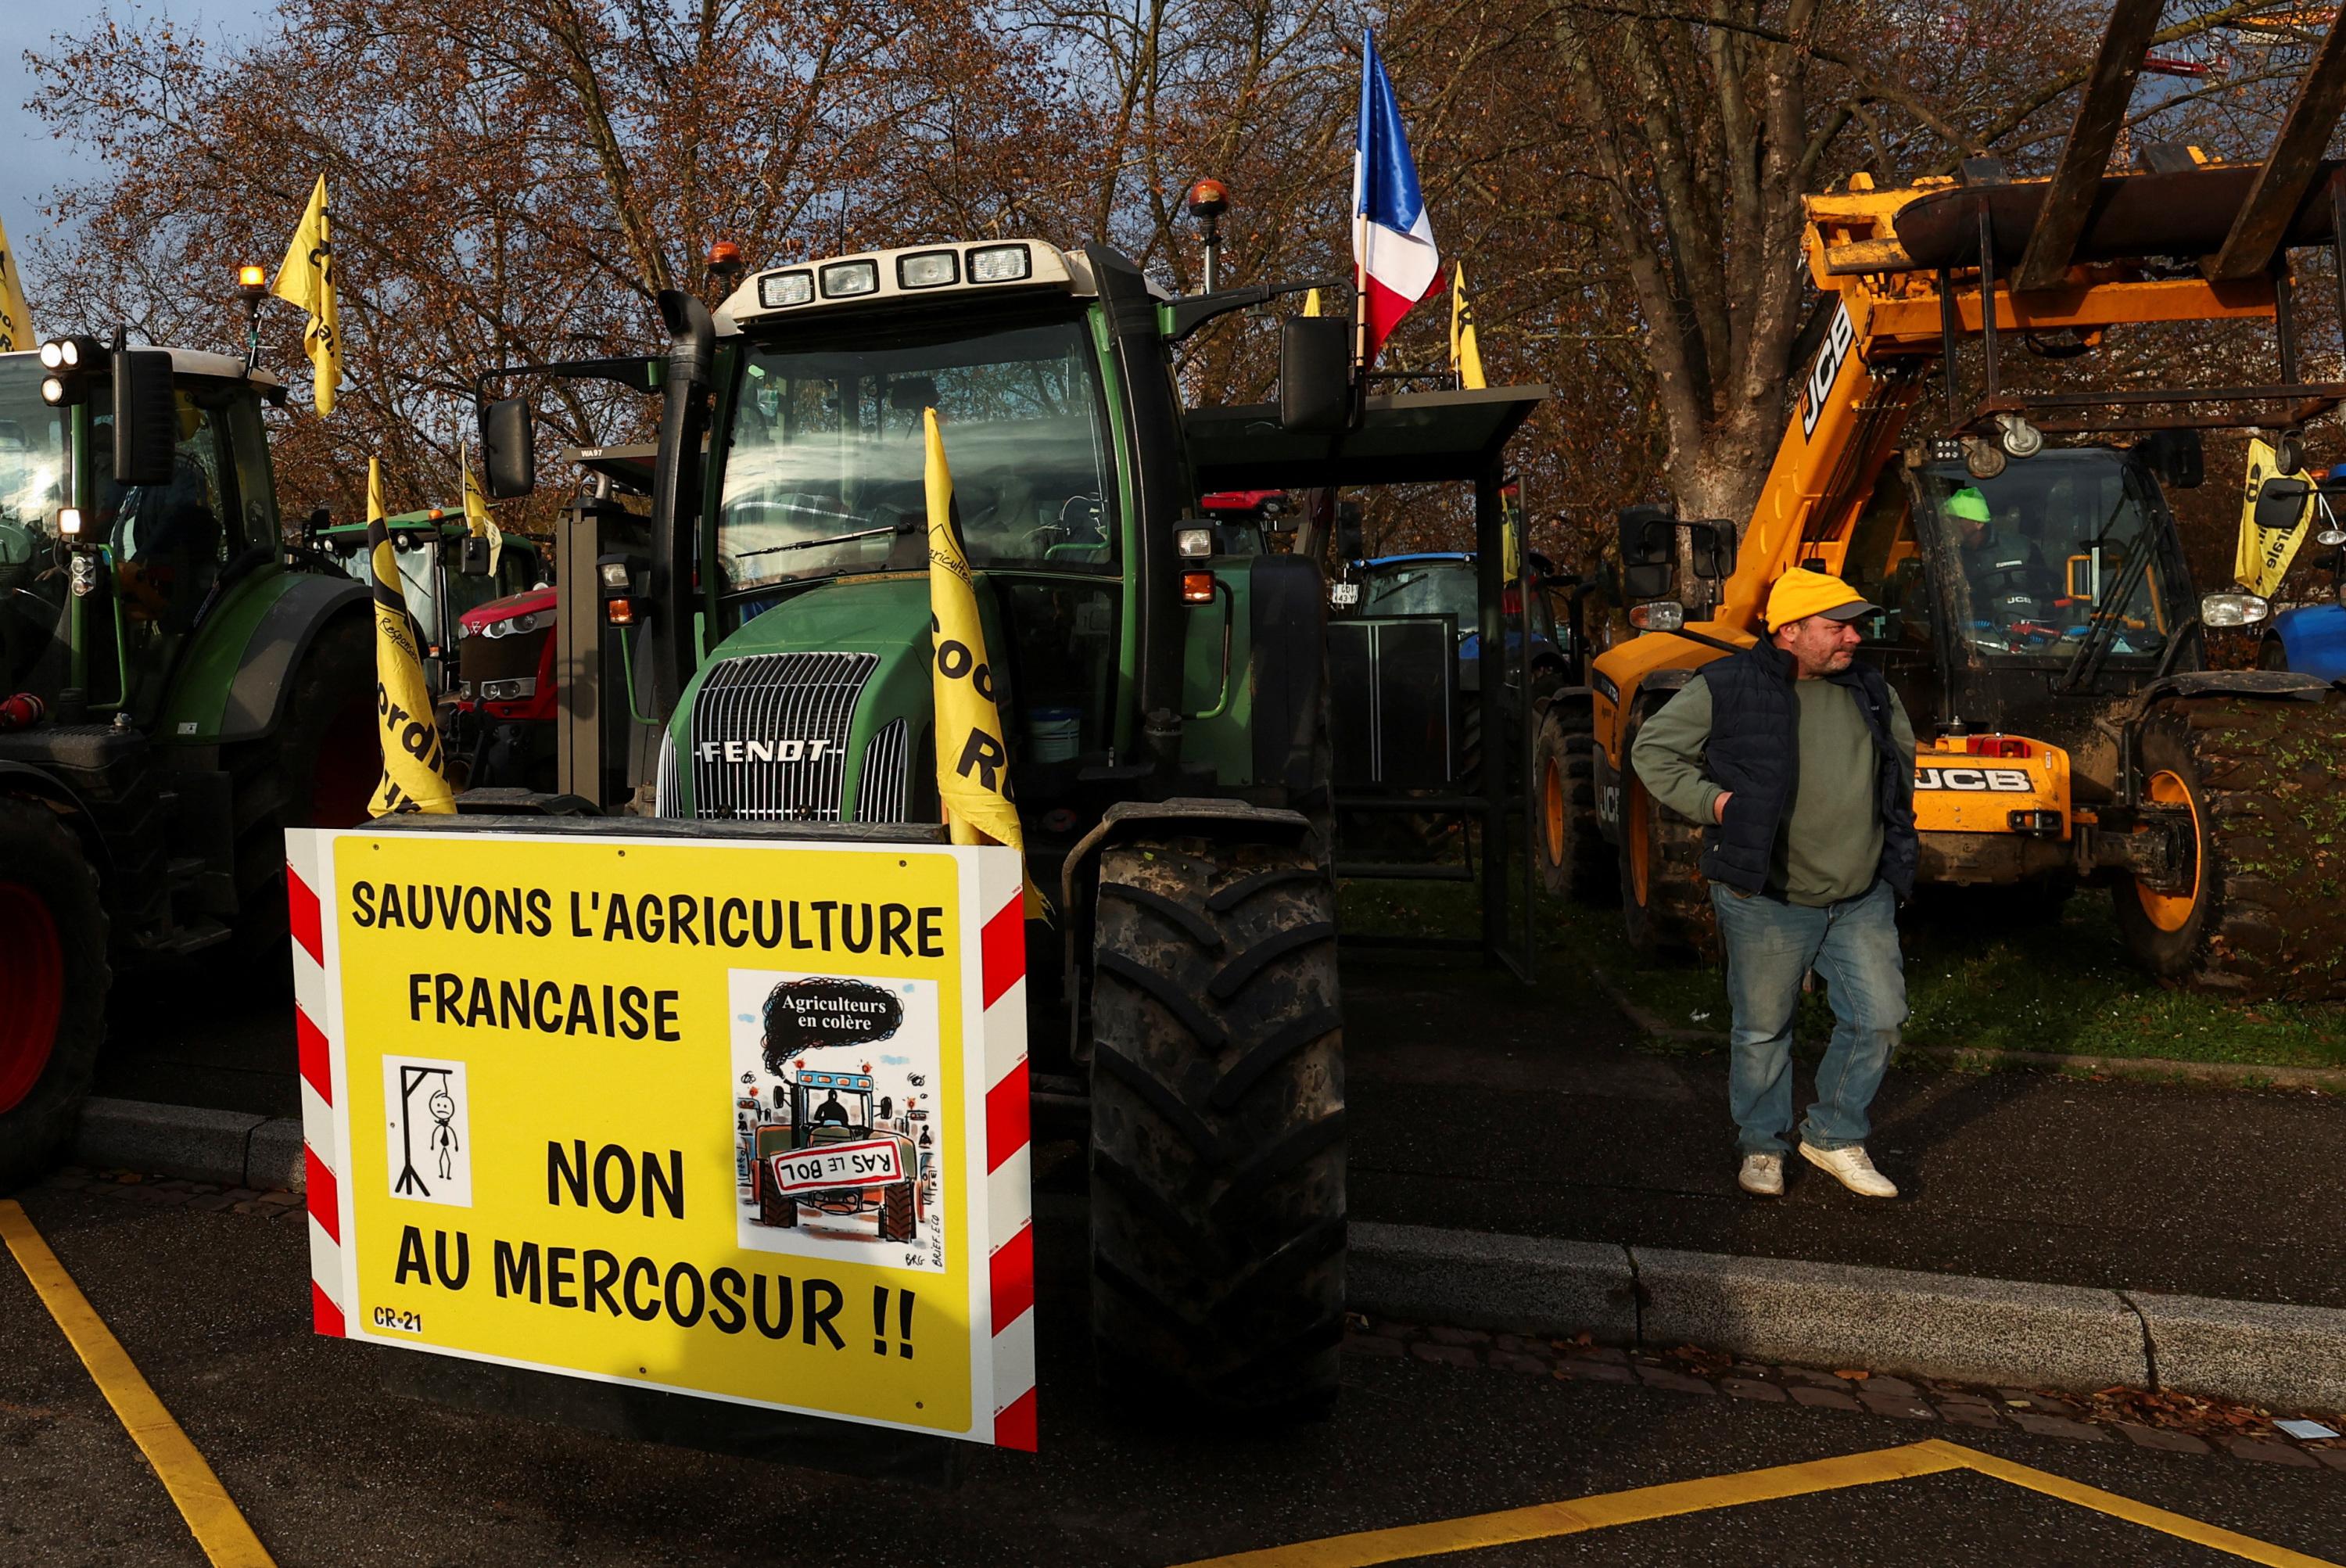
(1417,437)
(1408,438)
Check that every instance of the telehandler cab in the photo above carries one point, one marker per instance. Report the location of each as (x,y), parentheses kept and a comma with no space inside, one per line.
(2039,623)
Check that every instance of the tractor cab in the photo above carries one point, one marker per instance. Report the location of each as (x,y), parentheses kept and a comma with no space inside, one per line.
(428,547)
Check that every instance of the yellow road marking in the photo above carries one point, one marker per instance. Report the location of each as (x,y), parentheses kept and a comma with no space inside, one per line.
(2133,1513)
(219,1527)
(1934,1457)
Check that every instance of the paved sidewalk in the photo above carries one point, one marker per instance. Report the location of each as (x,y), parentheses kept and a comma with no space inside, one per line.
(1479,1105)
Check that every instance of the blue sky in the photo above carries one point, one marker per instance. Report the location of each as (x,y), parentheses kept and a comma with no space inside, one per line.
(36,162)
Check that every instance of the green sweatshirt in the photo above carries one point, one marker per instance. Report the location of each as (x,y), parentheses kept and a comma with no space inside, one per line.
(1830,844)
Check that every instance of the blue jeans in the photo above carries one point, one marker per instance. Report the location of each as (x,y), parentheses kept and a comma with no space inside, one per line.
(1770,948)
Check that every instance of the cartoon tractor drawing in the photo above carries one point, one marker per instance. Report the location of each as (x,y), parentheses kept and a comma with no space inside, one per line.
(829,1158)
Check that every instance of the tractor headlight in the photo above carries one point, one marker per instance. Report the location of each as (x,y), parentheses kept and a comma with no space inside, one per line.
(53,390)
(2219,610)
(509,690)
(512,625)
(1194,543)
(929,270)
(777,289)
(69,522)
(615,577)
(53,355)
(1001,264)
(1660,616)
(845,280)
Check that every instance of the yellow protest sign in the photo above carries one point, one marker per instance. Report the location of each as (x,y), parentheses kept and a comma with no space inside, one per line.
(718,1114)
(973,764)
(413,776)
(306,278)
(2263,555)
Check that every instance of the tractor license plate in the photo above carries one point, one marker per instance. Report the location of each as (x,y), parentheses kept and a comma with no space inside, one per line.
(873,1164)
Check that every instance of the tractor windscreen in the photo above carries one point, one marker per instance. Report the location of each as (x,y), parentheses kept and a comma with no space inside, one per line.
(1426,588)
(32,490)
(2049,545)
(825,457)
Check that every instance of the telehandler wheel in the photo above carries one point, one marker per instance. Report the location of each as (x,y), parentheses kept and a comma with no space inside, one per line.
(2258,917)
(318,770)
(1216,1128)
(52,1000)
(1573,858)
(1664,902)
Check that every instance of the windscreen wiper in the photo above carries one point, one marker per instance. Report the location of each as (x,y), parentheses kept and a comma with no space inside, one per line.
(817,543)
(2102,628)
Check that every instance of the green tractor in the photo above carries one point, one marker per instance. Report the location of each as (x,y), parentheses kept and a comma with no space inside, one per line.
(178,689)
(1161,688)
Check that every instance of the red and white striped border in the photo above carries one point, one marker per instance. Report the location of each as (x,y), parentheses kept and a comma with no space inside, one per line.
(313,1015)
(1009,1158)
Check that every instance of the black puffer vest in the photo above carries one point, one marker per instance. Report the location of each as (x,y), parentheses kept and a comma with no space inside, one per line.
(1754,750)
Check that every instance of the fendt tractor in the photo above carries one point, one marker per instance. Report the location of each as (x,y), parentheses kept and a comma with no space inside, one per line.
(1162,694)
(2037,619)
(180,688)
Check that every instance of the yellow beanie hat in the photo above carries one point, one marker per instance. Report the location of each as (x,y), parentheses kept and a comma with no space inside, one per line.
(1800,593)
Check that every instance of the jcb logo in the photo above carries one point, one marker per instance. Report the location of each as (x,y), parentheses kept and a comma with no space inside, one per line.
(2009,780)
(1831,357)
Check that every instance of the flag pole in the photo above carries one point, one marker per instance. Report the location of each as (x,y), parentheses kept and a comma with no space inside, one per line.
(1360,318)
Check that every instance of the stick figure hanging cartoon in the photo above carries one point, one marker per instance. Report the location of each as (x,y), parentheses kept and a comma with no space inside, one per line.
(444,1136)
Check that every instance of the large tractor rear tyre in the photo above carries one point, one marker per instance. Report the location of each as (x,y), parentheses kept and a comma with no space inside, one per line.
(53,1016)
(2259,917)
(319,769)
(1216,1128)
(1573,858)
(1664,902)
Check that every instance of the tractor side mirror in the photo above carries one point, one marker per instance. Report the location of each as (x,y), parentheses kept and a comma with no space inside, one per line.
(1710,547)
(472,557)
(1315,373)
(1351,538)
(509,449)
(145,418)
(1648,544)
(2280,502)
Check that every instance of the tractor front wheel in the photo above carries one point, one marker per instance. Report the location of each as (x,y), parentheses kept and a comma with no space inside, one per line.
(1218,1127)
(896,1217)
(53,1017)
(2253,911)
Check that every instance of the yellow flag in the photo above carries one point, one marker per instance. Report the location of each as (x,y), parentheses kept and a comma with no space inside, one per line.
(1511,531)
(1466,355)
(1312,304)
(973,764)
(410,739)
(476,513)
(2263,556)
(16,316)
(307,279)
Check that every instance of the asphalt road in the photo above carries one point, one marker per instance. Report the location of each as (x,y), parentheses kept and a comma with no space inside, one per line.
(1478,1104)
(332,1468)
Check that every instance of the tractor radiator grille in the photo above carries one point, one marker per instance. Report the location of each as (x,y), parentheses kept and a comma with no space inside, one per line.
(881,797)
(664,789)
(769,736)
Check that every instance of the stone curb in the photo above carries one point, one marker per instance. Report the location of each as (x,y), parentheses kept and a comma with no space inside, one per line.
(166,1140)
(1951,1326)
(2151,1069)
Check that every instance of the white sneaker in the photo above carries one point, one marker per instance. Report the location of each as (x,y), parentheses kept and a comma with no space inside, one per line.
(1851,1168)
(1762,1175)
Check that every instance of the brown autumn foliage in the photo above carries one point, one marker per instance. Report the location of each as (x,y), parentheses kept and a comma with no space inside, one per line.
(1621,178)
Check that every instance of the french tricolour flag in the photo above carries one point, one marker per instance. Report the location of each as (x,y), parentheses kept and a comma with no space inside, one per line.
(1393,240)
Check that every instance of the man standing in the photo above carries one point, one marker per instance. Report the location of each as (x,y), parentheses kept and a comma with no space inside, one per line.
(1803,763)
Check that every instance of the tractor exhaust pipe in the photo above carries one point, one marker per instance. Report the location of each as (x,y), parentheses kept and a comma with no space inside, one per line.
(676,492)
